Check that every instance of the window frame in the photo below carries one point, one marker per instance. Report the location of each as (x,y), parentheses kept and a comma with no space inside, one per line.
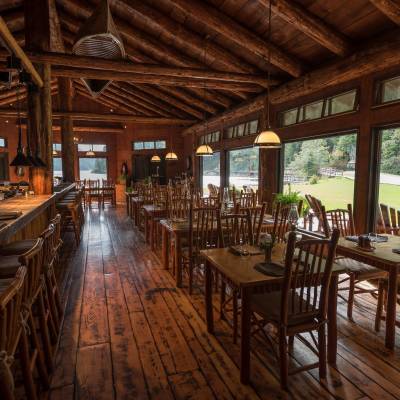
(154,146)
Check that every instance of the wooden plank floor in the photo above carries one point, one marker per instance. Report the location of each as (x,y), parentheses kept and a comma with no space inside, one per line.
(130,334)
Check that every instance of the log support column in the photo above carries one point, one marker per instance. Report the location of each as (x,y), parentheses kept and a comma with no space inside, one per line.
(67,133)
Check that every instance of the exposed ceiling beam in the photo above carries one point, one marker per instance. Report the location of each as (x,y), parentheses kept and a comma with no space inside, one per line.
(84,116)
(152,79)
(390,8)
(88,129)
(311,25)
(219,22)
(375,57)
(14,19)
(146,69)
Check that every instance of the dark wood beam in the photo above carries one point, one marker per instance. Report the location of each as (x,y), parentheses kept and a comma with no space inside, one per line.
(311,25)
(83,62)
(390,8)
(219,22)
(376,56)
(14,19)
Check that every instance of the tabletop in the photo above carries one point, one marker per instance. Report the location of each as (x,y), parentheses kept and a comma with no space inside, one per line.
(240,269)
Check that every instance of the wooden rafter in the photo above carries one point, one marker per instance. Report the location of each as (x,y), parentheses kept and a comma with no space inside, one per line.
(219,22)
(390,8)
(310,24)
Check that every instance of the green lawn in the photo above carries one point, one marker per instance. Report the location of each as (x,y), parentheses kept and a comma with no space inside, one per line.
(338,192)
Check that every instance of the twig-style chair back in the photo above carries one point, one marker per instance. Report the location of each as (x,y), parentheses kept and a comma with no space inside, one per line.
(341,219)
(203,229)
(316,208)
(306,280)
(213,190)
(178,206)
(56,222)
(247,199)
(234,229)
(48,236)
(209,202)
(256,215)
(93,185)
(281,223)
(108,183)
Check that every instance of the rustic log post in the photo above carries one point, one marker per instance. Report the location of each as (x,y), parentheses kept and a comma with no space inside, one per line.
(67,132)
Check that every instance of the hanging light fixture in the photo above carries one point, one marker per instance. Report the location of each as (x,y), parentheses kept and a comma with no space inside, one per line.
(171,155)
(267,138)
(90,153)
(204,150)
(20,159)
(55,153)
(155,159)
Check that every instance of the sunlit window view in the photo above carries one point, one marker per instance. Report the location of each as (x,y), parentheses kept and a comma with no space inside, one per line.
(57,167)
(389,176)
(243,168)
(324,168)
(93,168)
(211,171)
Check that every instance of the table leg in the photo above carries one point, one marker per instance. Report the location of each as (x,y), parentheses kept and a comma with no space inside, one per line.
(146,227)
(245,336)
(332,320)
(208,299)
(178,260)
(165,246)
(152,227)
(391,309)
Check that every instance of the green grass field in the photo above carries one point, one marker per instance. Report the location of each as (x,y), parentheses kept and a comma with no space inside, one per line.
(338,192)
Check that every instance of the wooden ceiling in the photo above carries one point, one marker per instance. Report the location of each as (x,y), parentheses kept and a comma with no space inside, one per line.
(224,36)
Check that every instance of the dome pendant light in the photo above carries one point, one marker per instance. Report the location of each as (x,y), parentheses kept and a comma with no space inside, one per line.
(171,155)
(155,159)
(90,153)
(204,150)
(267,138)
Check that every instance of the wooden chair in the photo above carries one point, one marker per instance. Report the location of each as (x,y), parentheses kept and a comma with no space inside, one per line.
(108,192)
(301,304)
(247,199)
(203,234)
(315,211)
(389,218)
(256,215)
(281,223)
(93,192)
(11,294)
(357,272)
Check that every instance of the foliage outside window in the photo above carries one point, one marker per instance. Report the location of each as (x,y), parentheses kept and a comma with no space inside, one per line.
(243,129)
(338,104)
(389,176)
(243,168)
(212,137)
(98,148)
(388,90)
(324,168)
(149,145)
(93,168)
(211,168)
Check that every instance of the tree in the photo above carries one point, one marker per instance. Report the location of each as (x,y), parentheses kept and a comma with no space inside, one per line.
(390,153)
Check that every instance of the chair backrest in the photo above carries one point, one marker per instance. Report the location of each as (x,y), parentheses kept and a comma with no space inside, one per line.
(178,206)
(256,215)
(247,199)
(33,260)
(234,229)
(10,310)
(307,278)
(203,228)
(213,190)
(341,219)
(48,236)
(281,223)
(107,183)
(386,217)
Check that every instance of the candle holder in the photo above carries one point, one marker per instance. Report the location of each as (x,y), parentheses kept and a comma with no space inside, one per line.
(266,243)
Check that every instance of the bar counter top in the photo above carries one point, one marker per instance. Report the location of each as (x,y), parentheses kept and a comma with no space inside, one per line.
(31,207)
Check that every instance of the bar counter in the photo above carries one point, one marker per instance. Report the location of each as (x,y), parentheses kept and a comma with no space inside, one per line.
(36,210)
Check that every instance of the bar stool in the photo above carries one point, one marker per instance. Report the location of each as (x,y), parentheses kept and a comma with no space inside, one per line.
(33,299)
(71,216)
(11,294)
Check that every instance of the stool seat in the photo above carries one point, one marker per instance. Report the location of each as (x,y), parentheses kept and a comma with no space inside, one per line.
(17,248)
(9,266)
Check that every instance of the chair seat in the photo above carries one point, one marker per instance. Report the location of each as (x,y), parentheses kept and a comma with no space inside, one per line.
(17,248)
(268,306)
(360,270)
(9,265)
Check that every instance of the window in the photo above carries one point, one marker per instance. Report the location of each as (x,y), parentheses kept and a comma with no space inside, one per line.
(211,168)
(3,142)
(98,148)
(243,129)
(92,168)
(341,103)
(150,145)
(243,168)
(388,90)
(57,146)
(389,168)
(57,167)
(210,138)
(324,168)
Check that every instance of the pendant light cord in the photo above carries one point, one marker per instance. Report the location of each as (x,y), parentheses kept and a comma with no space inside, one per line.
(268,125)
(19,120)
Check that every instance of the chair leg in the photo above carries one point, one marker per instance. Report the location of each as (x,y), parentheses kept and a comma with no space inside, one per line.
(379,306)
(322,351)
(190,278)
(235,316)
(283,359)
(44,332)
(222,299)
(291,342)
(350,302)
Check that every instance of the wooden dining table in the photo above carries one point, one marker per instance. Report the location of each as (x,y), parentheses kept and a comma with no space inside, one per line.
(383,258)
(240,273)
